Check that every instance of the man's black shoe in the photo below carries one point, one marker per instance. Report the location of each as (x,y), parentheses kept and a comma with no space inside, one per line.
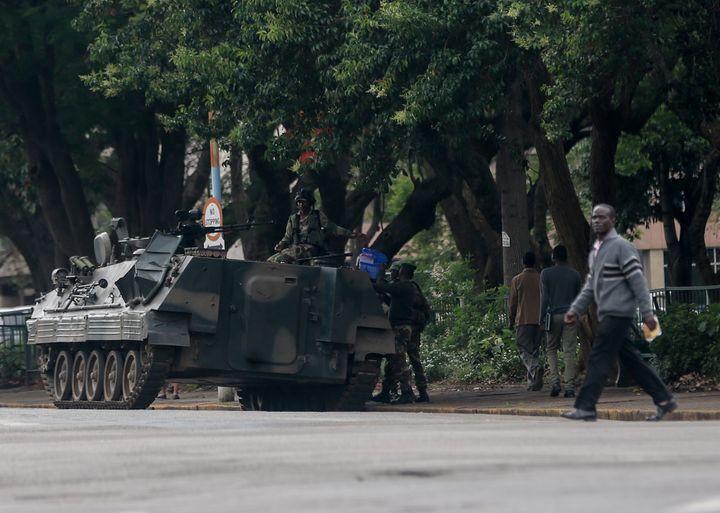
(578,414)
(405,398)
(663,409)
(423,396)
(555,390)
(569,393)
(537,379)
(382,397)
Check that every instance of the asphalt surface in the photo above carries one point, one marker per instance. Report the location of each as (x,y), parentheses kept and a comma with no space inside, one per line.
(221,461)
(615,403)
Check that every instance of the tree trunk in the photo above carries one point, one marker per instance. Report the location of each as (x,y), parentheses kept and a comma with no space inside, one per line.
(171,172)
(71,193)
(512,184)
(706,188)
(197,182)
(464,227)
(473,210)
(45,183)
(268,199)
(30,235)
(679,254)
(570,223)
(604,140)
(417,214)
(539,226)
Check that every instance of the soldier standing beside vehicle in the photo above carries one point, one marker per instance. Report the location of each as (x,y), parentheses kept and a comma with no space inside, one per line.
(306,231)
(421,316)
(402,296)
(558,287)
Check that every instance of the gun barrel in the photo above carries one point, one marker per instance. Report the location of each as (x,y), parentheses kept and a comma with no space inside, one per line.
(320,257)
(235,227)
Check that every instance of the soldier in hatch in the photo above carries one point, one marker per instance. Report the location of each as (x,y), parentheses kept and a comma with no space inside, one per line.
(306,231)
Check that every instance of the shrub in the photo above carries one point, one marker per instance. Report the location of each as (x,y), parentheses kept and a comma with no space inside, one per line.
(469,340)
(689,343)
(12,363)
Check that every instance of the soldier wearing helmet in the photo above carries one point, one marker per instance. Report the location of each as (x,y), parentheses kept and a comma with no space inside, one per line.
(306,231)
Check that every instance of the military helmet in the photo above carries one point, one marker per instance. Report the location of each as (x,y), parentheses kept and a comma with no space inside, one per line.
(305,195)
(407,266)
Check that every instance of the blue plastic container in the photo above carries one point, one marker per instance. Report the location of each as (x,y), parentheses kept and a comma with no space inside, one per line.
(371,261)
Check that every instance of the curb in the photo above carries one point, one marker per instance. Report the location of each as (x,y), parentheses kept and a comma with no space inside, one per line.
(605,414)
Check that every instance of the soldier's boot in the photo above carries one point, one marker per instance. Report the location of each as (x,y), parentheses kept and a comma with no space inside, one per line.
(405,398)
(382,397)
(423,396)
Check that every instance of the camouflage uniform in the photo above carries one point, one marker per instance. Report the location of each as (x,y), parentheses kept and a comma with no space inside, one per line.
(421,315)
(305,237)
(402,294)
(396,367)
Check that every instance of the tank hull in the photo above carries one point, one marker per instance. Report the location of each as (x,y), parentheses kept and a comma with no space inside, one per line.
(255,325)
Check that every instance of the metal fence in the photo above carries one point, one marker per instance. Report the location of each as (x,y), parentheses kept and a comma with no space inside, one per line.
(17,359)
(699,296)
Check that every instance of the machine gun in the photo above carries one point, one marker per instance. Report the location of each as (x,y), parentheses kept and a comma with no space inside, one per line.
(190,229)
(323,258)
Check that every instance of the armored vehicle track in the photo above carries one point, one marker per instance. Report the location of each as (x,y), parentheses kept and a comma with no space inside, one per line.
(114,376)
(350,396)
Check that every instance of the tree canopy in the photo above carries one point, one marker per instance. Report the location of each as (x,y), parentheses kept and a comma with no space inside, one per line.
(105,104)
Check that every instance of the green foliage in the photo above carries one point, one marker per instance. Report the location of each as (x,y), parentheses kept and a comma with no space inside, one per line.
(469,341)
(12,363)
(602,53)
(689,343)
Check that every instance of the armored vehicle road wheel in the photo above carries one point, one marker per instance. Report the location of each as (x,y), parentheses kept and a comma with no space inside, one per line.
(61,377)
(112,376)
(131,373)
(78,376)
(94,376)
(118,381)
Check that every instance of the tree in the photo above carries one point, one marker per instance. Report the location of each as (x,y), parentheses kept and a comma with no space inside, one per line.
(39,84)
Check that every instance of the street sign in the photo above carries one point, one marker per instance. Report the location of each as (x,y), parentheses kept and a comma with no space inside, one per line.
(212,216)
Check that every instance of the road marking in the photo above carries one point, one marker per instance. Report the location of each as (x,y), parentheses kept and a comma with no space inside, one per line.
(711,505)
(14,423)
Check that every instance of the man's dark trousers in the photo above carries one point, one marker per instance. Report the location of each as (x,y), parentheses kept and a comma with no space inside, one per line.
(611,341)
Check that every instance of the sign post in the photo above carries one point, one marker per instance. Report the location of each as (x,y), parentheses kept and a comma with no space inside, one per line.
(212,216)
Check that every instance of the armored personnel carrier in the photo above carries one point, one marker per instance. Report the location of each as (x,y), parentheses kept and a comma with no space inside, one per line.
(289,337)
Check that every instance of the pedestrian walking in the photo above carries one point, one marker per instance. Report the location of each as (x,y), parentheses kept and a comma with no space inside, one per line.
(617,285)
(524,304)
(559,285)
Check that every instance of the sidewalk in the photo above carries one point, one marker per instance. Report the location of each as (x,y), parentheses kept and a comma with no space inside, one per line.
(615,404)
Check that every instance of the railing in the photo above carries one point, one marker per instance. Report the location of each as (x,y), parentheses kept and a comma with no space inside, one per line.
(699,296)
(17,359)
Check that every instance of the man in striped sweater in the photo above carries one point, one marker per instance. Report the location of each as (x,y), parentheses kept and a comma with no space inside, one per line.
(617,285)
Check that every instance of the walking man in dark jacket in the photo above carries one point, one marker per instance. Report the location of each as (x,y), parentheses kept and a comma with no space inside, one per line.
(558,287)
(617,284)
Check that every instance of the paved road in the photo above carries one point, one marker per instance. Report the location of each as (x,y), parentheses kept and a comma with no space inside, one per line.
(226,461)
